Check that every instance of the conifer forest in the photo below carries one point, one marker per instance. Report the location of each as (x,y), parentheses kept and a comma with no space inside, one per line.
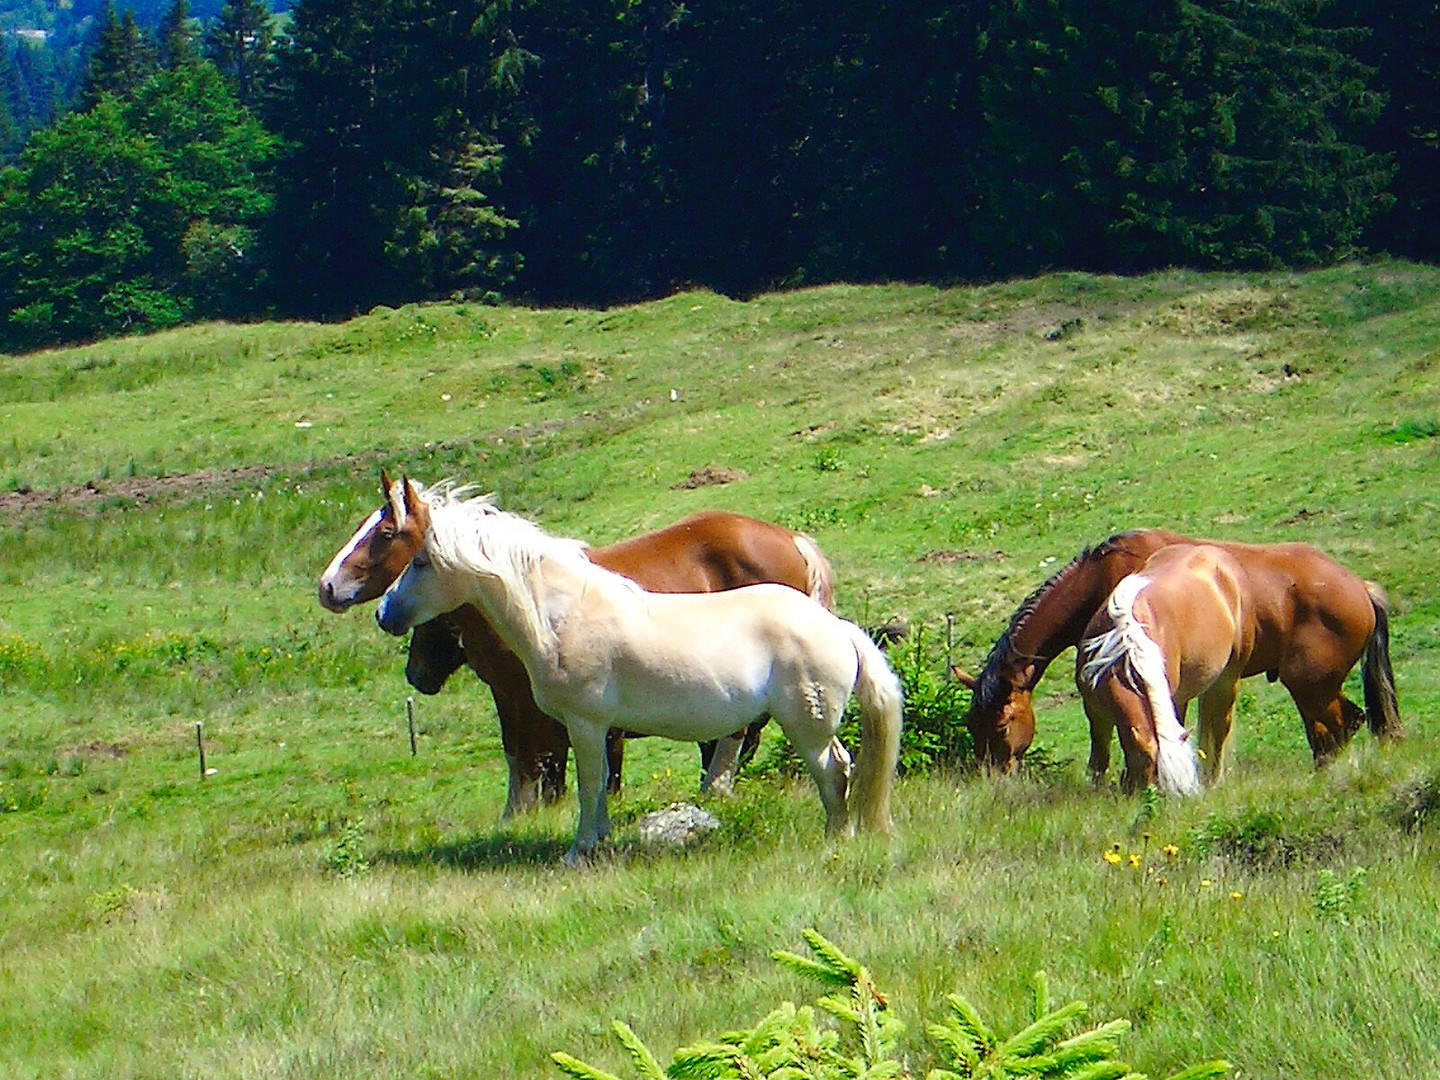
(168,162)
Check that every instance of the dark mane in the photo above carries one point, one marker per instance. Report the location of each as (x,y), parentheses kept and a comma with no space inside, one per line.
(991,685)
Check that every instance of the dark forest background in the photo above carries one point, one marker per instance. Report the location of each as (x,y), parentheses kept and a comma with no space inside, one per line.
(169,161)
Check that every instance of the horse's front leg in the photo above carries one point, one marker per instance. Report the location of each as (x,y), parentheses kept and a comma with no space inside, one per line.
(591,769)
(1102,730)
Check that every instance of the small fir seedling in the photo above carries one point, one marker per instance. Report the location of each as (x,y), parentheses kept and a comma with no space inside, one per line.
(791,1044)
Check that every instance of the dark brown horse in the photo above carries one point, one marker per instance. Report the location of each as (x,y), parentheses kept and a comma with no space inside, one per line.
(706,552)
(1054,617)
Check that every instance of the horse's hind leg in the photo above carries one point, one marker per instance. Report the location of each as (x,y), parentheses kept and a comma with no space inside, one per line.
(615,759)
(722,759)
(829,766)
(1102,729)
(1138,739)
(1217,717)
(1330,719)
(722,764)
(831,770)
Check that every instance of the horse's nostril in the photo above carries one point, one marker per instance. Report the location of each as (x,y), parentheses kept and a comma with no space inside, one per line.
(328,598)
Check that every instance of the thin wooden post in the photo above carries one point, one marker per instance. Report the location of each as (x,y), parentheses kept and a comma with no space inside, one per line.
(200,745)
(949,644)
(410,718)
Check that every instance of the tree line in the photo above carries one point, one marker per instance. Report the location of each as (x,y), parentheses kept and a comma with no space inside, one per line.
(383,151)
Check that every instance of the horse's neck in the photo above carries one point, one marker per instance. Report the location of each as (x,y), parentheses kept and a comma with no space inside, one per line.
(517,606)
(1061,611)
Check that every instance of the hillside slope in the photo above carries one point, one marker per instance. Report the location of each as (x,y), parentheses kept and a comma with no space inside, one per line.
(325,904)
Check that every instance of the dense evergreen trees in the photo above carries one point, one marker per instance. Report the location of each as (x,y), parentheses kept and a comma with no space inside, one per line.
(604,151)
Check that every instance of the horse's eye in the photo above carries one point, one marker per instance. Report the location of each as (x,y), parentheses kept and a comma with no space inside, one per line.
(387,532)
(421,559)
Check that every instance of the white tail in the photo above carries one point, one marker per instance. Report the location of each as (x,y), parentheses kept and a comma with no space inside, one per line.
(881,712)
(1128,643)
(819,578)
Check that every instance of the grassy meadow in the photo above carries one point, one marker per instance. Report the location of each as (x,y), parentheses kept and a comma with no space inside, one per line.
(325,904)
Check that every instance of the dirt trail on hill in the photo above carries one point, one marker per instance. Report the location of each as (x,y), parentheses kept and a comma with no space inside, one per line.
(94,494)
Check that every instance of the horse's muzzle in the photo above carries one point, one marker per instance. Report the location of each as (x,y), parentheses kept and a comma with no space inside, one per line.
(391,619)
(329,601)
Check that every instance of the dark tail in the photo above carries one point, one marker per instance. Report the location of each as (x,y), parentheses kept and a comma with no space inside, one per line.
(1382,710)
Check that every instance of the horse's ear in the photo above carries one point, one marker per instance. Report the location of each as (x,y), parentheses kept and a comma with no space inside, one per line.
(397,509)
(413,503)
(385,484)
(964,679)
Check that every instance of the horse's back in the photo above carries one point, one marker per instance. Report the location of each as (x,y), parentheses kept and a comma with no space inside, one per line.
(708,551)
(1199,606)
(1314,613)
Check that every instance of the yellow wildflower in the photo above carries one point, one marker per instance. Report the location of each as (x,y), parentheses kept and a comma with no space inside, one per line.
(1134,859)
(1172,850)
(1205,883)
(1112,857)
(1236,894)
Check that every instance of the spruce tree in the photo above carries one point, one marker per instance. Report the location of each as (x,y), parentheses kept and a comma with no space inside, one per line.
(11,134)
(121,60)
(386,105)
(240,43)
(176,37)
(1403,45)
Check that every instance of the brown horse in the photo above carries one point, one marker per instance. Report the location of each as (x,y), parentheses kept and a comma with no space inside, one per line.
(1053,618)
(1199,618)
(706,552)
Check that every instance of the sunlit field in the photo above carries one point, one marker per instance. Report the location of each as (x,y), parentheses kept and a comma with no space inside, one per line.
(327,904)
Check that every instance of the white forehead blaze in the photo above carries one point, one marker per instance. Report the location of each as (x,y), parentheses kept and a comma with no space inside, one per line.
(355,541)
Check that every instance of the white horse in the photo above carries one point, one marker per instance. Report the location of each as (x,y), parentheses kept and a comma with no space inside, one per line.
(601,652)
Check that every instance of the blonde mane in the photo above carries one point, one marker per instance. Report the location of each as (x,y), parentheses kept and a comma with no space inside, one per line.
(1131,655)
(472,535)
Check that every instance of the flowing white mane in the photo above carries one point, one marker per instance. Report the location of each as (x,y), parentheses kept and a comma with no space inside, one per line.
(1133,656)
(442,491)
(474,536)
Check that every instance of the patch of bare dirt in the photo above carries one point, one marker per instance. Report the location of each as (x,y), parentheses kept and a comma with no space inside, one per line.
(98,749)
(134,489)
(947,557)
(710,474)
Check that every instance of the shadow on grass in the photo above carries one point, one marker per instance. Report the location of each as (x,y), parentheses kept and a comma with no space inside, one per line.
(497,851)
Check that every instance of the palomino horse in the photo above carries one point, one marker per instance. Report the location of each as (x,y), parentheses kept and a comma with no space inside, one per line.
(706,552)
(1196,620)
(1053,618)
(601,652)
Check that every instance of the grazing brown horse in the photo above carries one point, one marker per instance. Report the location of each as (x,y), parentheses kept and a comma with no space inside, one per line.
(709,551)
(1054,617)
(1199,618)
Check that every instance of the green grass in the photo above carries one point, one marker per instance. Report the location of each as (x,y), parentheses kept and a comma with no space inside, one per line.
(326,904)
